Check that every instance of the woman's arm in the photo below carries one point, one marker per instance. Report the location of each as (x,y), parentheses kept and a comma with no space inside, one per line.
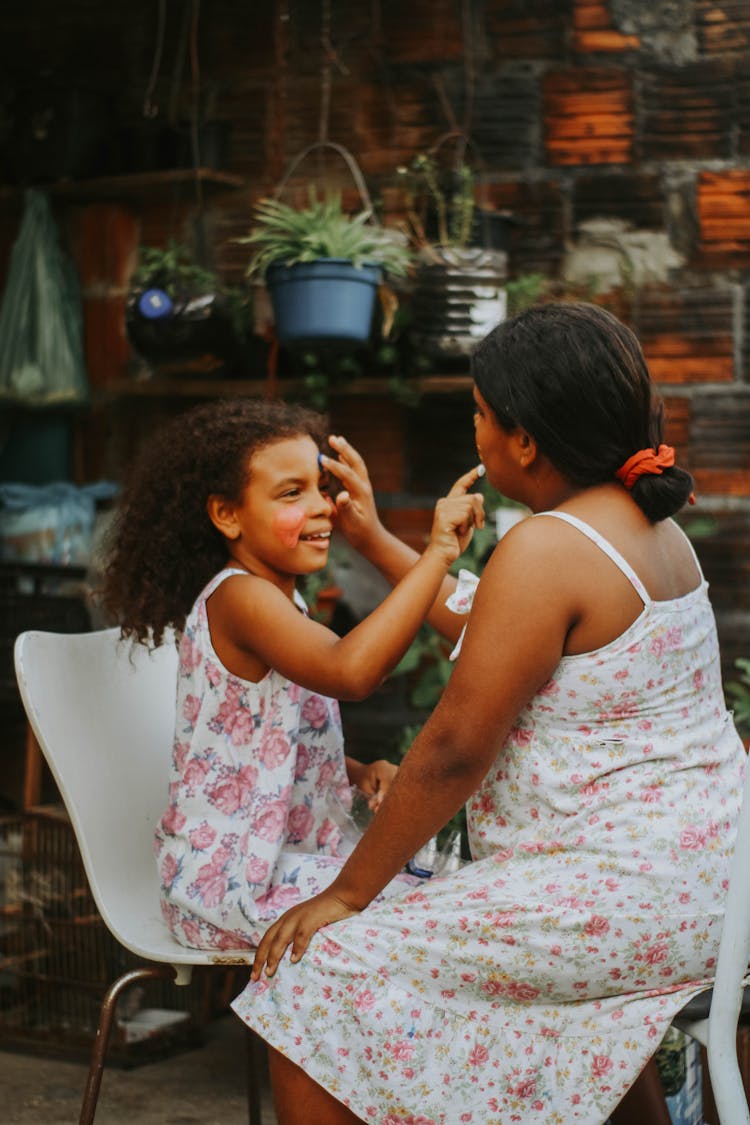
(521,615)
(360,523)
(251,618)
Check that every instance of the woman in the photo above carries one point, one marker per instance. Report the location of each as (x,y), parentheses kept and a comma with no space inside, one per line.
(584,726)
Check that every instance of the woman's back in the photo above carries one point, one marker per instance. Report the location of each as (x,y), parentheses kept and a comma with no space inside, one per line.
(638,719)
(658,555)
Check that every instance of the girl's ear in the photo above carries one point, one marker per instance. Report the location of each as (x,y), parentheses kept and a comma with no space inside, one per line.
(221,512)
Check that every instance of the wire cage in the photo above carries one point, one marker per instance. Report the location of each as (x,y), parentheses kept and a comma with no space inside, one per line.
(57,957)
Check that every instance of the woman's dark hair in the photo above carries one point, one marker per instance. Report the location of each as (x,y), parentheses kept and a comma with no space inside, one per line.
(575,378)
(163,548)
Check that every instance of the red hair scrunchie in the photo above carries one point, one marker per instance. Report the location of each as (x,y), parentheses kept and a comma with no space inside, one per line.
(645,462)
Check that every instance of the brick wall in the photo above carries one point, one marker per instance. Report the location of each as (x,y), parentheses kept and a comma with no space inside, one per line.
(617,133)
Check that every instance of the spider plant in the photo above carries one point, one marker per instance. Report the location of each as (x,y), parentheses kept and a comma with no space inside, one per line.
(285,235)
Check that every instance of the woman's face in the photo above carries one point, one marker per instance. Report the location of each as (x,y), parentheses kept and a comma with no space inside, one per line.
(493,445)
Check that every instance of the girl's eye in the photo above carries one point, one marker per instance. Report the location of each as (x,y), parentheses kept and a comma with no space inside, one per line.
(292,492)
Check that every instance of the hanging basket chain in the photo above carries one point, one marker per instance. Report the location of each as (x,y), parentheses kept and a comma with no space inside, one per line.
(350,162)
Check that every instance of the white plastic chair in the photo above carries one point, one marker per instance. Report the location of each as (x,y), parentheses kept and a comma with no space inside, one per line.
(103,712)
(713,1016)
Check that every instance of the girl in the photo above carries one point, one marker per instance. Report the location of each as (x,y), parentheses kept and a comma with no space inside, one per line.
(226,508)
(585,727)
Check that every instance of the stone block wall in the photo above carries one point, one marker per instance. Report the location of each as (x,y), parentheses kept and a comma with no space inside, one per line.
(616,133)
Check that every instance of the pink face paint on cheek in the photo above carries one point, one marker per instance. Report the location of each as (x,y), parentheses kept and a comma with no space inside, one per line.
(288,524)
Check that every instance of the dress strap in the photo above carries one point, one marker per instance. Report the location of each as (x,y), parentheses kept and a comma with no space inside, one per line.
(217,580)
(692,550)
(228,571)
(604,545)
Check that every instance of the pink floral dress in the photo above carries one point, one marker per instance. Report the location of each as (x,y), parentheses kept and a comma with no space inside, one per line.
(251,826)
(534,984)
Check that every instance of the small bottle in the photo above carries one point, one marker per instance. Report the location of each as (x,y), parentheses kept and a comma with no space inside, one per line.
(449,857)
(423,863)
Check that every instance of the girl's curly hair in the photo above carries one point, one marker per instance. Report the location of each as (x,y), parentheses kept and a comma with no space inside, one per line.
(162,548)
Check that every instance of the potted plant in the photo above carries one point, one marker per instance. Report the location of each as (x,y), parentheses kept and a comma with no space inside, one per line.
(459,290)
(322,267)
(179,311)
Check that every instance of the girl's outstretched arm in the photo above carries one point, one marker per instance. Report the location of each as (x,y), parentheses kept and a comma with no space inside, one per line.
(252,620)
(361,525)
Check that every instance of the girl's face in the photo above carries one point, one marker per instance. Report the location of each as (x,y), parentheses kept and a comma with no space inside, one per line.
(283,521)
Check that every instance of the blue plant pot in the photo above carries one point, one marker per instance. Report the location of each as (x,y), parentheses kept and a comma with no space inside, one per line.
(329,299)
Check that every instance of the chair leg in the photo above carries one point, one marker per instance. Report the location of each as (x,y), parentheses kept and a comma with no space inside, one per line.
(101,1041)
(255,1066)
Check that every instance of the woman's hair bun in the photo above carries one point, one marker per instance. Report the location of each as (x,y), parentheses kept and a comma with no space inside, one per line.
(660,495)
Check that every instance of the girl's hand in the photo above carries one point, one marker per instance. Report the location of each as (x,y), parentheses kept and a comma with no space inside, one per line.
(456,516)
(357,515)
(375,780)
(295,928)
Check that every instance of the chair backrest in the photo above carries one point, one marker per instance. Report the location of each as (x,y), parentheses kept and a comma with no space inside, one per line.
(103,712)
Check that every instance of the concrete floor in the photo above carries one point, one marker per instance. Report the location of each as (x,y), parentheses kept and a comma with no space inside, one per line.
(203,1086)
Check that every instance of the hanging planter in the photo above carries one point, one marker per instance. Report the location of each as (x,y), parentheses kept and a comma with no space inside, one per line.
(459,296)
(321,266)
(459,292)
(328,299)
(178,313)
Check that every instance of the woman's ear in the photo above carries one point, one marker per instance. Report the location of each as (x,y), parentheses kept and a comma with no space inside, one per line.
(221,512)
(527,448)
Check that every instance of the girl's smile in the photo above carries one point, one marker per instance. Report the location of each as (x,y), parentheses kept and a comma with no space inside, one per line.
(320,539)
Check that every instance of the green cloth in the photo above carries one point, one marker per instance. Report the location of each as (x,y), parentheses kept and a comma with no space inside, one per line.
(41,323)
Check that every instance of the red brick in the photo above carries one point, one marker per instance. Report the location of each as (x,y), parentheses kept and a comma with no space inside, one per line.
(588,116)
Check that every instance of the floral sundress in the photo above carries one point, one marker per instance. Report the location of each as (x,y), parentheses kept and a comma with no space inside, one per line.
(257,779)
(534,984)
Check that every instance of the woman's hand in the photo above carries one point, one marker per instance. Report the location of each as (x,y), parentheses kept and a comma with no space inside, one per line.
(296,928)
(357,515)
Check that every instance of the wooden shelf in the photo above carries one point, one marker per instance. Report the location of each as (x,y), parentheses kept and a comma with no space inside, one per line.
(189,386)
(136,185)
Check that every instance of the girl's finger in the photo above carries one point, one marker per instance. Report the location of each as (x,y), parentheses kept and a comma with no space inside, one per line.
(300,943)
(464,483)
(457,507)
(278,948)
(339,469)
(261,954)
(478,509)
(346,451)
